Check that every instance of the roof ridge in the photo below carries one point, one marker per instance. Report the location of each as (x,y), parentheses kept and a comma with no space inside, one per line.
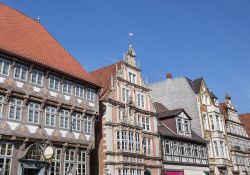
(105,67)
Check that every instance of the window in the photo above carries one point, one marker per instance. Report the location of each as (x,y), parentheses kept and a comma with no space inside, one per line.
(55,168)
(187,126)
(36,77)
(211,122)
(179,125)
(1,105)
(21,72)
(15,109)
(69,161)
(4,67)
(81,163)
(67,87)
(195,151)
(149,146)
(183,126)
(76,121)
(50,116)
(189,148)
(125,95)
(145,122)
(79,91)
(34,110)
(121,116)
(182,149)
(121,139)
(137,142)
(87,124)
(205,122)
(144,145)
(64,119)
(131,141)
(54,82)
(216,149)
(222,149)
(6,153)
(90,94)
(175,150)
(132,77)
(217,122)
(167,146)
(140,100)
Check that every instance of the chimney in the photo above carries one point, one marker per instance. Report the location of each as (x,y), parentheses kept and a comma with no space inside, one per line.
(168,76)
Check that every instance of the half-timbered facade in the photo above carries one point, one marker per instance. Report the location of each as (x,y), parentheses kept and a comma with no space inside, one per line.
(183,151)
(239,142)
(202,105)
(127,137)
(48,102)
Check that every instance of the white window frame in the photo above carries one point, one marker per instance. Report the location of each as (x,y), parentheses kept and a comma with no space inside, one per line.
(64,115)
(76,121)
(87,124)
(6,156)
(16,106)
(81,161)
(1,105)
(131,141)
(33,110)
(56,161)
(23,72)
(90,94)
(50,114)
(125,94)
(132,77)
(79,91)
(141,100)
(69,162)
(67,87)
(137,142)
(54,83)
(37,74)
(3,63)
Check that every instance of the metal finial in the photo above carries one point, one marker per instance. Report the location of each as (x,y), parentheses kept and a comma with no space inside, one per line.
(38,19)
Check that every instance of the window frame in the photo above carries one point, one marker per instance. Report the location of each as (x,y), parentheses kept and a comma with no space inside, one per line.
(3,64)
(37,77)
(22,71)
(55,78)
(34,110)
(15,108)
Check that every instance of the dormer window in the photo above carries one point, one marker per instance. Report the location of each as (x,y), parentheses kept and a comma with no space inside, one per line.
(183,126)
(132,77)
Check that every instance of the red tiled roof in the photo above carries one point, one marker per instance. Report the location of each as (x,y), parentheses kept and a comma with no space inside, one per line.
(24,37)
(245,119)
(103,75)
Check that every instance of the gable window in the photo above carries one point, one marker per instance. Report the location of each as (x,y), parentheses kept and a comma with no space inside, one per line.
(4,67)
(183,126)
(34,110)
(21,72)
(54,82)
(50,116)
(132,77)
(79,91)
(140,100)
(87,124)
(131,140)
(36,77)
(125,95)
(90,94)
(76,121)
(15,111)
(64,119)
(137,142)
(67,87)
(179,125)
(186,126)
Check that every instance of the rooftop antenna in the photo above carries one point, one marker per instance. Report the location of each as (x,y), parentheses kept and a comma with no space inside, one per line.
(38,19)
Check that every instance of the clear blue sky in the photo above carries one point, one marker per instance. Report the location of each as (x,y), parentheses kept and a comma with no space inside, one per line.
(193,38)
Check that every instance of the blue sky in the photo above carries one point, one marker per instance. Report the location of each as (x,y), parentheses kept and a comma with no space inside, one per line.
(209,38)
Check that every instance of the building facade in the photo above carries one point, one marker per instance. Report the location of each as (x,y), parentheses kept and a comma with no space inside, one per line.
(183,151)
(127,139)
(202,105)
(239,142)
(48,102)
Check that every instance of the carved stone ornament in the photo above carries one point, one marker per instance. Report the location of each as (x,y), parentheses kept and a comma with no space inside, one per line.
(130,56)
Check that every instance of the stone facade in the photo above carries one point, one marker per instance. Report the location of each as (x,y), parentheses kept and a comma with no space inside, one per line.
(127,137)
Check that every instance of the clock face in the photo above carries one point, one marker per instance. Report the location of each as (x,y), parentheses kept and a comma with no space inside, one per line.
(48,152)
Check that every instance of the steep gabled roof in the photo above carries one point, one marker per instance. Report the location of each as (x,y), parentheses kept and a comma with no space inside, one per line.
(22,36)
(103,76)
(245,119)
(196,85)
